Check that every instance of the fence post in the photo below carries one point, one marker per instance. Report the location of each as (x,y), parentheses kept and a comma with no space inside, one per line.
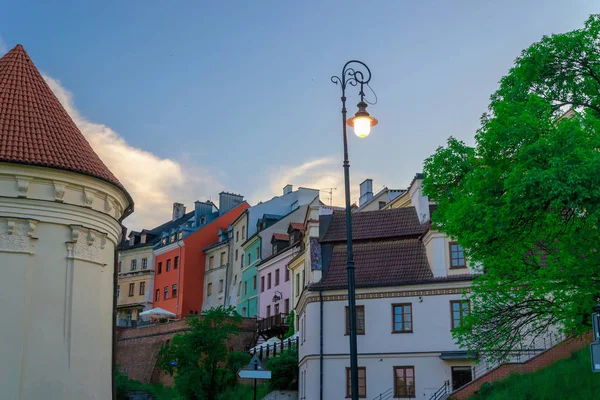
(261,353)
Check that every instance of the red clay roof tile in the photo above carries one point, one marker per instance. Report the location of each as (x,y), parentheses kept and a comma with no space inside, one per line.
(35,129)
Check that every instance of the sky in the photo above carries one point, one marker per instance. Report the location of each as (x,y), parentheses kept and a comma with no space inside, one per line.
(184,99)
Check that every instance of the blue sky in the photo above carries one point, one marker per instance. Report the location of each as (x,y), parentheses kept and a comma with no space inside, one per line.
(236,95)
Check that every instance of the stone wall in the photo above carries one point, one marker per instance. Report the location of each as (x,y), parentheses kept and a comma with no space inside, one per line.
(138,348)
(548,357)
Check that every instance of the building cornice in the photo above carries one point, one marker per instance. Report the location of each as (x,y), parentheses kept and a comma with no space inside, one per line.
(279,257)
(421,290)
(169,247)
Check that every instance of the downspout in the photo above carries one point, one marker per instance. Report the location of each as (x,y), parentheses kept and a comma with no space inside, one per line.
(128,211)
(179,288)
(321,371)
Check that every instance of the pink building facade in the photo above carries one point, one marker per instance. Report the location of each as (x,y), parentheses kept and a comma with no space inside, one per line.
(275,284)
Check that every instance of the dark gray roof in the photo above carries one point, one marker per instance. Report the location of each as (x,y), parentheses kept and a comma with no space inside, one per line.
(153,235)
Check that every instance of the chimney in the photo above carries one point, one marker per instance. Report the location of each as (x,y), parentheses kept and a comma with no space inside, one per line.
(229,201)
(178,211)
(366,192)
(287,189)
(419,201)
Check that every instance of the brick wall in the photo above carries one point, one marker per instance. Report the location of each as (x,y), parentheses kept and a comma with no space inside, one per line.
(542,360)
(138,348)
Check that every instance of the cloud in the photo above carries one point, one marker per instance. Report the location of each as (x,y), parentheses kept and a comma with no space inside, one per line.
(3,46)
(324,174)
(153,182)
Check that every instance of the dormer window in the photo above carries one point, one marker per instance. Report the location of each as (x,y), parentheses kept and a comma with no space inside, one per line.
(164,240)
(202,220)
(172,237)
(143,238)
(132,240)
(180,235)
(457,256)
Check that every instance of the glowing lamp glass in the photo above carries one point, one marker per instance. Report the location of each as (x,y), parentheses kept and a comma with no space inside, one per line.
(362,126)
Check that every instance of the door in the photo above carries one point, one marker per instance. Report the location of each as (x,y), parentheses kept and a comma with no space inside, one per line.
(461,376)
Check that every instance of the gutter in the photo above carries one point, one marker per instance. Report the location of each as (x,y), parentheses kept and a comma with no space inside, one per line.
(128,211)
(179,288)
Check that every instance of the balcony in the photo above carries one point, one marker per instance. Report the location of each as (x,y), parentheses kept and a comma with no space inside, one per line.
(273,326)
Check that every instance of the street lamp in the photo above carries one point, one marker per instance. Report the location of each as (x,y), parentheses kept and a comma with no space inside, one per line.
(354,73)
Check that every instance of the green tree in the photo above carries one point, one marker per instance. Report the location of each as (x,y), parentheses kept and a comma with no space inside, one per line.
(197,358)
(284,370)
(525,201)
(290,323)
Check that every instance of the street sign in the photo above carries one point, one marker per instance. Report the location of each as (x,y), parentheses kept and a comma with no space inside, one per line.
(255,363)
(254,374)
(595,352)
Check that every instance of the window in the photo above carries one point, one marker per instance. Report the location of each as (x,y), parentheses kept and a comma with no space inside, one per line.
(133,265)
(258,253)
(274,248)
(221,286)
(159,267)
(180,235)
(249,258)
(404,382)
(174,291)
(119,267)
(237,236)
(142,288)
(202,220)
(254,282)
(245,288)
(234,279)
(118,291)
(287,274)
(381,204)
(236,254)
(402,318)
(144,263)
(277,277)
(362,382)
(287,306)
(157,295)
(459,310)
(164,240)
(223,258)
(211,262)
(262,284)
(360,320)
(176,263)
(209,289)
(457,256)
(268,311)
(166,292)
(269,280)
(172,239)
(131,289)
(244,312)
(168,265)
(276,308)
(243,232)
(303,279)
(297,284)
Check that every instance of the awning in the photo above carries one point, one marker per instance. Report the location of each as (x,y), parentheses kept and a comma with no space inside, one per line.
(157,313)
(457,355)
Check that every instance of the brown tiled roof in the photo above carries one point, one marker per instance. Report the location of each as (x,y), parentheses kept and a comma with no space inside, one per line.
(34,127)
(281,236)
(380,224)
(297,225)
(384,263)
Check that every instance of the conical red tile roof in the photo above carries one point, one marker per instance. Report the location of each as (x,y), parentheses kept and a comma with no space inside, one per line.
(35,129)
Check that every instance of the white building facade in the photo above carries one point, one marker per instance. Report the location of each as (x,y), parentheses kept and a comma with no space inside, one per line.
(412,290)
(60,214)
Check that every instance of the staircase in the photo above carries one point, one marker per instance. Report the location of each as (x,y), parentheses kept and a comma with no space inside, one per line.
(387,395)
(442,393)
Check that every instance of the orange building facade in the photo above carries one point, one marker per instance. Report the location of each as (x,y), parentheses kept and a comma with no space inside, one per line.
(179,267)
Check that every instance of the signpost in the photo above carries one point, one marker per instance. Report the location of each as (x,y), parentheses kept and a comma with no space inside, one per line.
(255,370)
(595,346)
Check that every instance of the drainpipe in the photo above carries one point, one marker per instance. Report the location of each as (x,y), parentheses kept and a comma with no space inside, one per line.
(179,288)
(321,371)
(128,211)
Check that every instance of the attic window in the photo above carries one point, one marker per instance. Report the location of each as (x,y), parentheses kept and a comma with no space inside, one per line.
(172,237)
(132,240)
(164,240)
(180,235)
(202,220)
(143,238)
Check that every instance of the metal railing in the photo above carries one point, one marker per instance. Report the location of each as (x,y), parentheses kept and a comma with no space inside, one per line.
(520,355)
(266,351)
(277,320)
(388,394)
(442,392)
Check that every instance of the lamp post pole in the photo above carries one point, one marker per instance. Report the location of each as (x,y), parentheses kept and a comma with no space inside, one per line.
(353,77)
